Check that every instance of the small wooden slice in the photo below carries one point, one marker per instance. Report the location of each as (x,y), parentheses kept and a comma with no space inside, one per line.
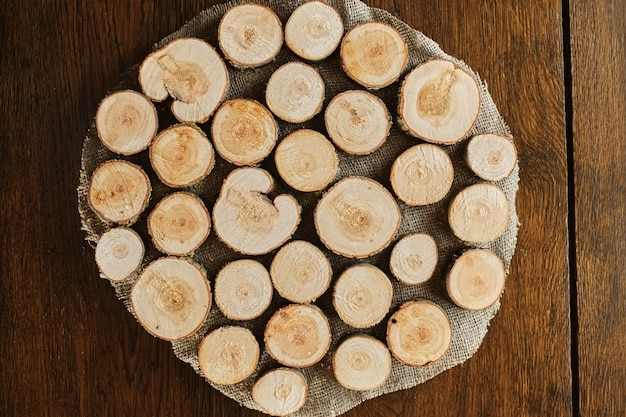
(243,289)
(171,298)
(479,213)
(419,333)
(358,122)
(190,71)
(295,92)
(300,272)
(250,35)
(439,102)
(374,54)
(476,279)
(414,258)
(119,253)
(314,30)
(357,217)
(362,296)
(228,355)
(280,392)
(422,175)
(179,224)
(306,160)
(244,131)
(362,363)
(126,122)
(492,157)
(246,220)
(119,191)
(181,155)
(298,335)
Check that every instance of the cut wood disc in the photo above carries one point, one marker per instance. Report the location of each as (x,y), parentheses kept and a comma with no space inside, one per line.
(119,253)
(280,392)
(422,175)
(362,363)
(357,217)
(244,131)
(243,289)
(439,102)
(179,224)
(126,122)
(301,272)
(306,160)
(171,298)
(250,35)
(190,71)
(414,258)
(314,30)
(181,155)
(362,296)
(119,191)
(228,355)
(374,54)
(246,220)
(358,122)
(295,92)
(476,279)
(298,335)
(419,333)
(479,213)
(492,157)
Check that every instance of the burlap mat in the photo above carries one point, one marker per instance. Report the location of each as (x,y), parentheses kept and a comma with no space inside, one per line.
(326,396)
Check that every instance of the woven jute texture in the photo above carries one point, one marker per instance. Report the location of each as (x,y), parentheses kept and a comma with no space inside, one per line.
(326,397)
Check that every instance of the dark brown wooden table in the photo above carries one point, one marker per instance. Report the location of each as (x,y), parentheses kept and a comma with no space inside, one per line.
(557,72)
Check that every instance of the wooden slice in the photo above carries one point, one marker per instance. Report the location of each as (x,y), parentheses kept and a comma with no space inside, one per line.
(362,363)
(126,122)
(280,392)
(414,258)
(306,160)
(419,333)
(300,272)
(119,253)
(250,35)
(357,217)
(374,54)
(181,155)
(228,355)
(298,335)
(171,298)
(243,289)
(190,71)
(314,30)
(119,191)
(362,296)
(295,92)
(439,102)
(246,220)
(244,131)
(422,175)
(476,280)
(492,157)
(358,122)
(479,213)
(179,224)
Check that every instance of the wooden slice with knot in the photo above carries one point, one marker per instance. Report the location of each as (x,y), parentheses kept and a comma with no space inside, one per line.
(419,333)
(171,298)
(119,253)
(414,259)
(126,122)
(492,157)
(280,392)
(228,355)
(314,30)
(362,363)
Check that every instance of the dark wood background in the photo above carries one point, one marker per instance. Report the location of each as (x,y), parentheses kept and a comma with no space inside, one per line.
(557,72)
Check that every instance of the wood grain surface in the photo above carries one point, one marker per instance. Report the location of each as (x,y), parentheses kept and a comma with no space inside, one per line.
(68,347)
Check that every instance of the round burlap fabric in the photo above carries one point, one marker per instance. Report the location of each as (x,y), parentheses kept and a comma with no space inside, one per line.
(326,396)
